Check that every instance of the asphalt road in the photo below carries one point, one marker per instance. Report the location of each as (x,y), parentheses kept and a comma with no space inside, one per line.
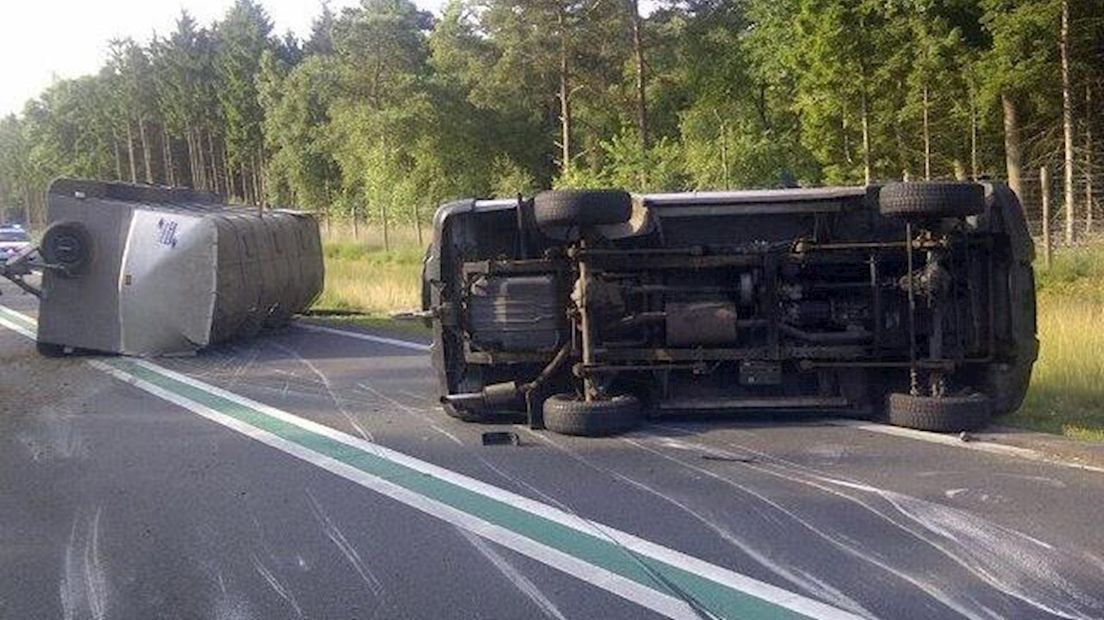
(308,474)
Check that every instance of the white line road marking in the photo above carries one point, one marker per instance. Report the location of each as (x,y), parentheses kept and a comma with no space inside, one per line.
(575,522)
(954,442)
(16,327)
(395,342)
(650,593)
(647,597)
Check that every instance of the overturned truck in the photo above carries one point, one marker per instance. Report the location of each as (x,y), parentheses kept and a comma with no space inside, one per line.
(143,270)
(585,310)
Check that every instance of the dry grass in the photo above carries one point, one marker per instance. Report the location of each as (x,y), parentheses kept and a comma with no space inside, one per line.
(362,276)
(342,232)
(1067,386)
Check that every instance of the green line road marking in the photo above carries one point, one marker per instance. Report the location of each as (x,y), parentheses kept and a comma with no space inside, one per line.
(718,599)
(669,574)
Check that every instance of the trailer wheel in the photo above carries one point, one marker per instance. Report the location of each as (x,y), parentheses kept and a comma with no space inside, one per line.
(68,244)
(943,414)
(567,414)
(585,207)
(931,199)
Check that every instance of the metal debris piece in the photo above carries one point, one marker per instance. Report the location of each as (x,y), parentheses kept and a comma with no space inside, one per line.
(501,438)
(728,458)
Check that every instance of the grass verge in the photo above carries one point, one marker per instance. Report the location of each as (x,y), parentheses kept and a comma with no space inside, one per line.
(1067,385)
(371,280)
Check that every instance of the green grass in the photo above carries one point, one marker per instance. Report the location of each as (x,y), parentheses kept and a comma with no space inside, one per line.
(1067,387)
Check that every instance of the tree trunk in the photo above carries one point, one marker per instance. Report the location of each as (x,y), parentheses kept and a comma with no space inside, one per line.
(191,156)
(1044,190)
(201,160)
(166,147)
(1067,120)
(1013,152)
(641,77)
(867,171)
(724,148)
(565,97)
(386,231)
(213,163)
(258,177)
(1088,161)
(418,223)
(846,139)
(973,141)
(247,195)
(28,208)
(145,149)
(899,140)
(130,153)
(927,136)
(118,157)
(231,192)
(196,162)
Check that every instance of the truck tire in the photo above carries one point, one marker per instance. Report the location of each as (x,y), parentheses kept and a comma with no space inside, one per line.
(68,244)
(944,414)
(931,199)
(568,415)
(582,207)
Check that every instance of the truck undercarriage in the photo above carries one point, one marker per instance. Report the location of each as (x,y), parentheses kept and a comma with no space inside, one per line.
(583,310)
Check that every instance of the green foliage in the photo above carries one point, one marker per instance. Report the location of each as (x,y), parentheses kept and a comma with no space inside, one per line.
(629,166)
(243,38)
(509,179)
(385,111)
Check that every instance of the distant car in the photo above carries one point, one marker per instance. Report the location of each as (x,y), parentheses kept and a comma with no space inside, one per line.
(585,309)
(13,240)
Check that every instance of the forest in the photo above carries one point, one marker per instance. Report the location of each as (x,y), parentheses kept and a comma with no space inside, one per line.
(383,111)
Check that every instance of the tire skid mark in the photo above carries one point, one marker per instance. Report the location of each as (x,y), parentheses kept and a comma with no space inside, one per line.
(337,537)
(84,587)
(841,542)
(513,575)
(424,415)
(1043,480)
(598,530)
(228,606)
(329,389)
(281,590)
(984,547)
(917,516)
(981,547)
(254,352)
(802,579)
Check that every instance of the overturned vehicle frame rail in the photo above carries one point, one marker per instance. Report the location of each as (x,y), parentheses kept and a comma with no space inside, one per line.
(144,270)
(583,310)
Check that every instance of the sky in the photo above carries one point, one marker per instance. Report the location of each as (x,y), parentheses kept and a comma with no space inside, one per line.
(44,39)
